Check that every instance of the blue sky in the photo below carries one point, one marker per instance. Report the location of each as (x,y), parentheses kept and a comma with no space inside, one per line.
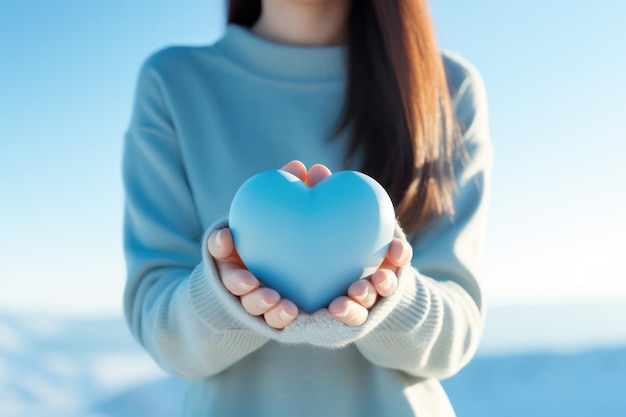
(554,76)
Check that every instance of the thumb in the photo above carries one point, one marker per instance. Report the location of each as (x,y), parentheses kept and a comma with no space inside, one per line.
(221,246)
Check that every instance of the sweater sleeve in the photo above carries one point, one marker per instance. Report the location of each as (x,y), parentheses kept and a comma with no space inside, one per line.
(435,328)
(168,304)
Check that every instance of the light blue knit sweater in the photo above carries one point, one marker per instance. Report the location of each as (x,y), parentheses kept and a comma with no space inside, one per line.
(204,120)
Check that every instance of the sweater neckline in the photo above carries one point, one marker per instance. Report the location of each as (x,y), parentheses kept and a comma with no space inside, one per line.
(283,61)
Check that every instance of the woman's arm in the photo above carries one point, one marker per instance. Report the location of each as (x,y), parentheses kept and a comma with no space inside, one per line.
(168,303)
(435,328)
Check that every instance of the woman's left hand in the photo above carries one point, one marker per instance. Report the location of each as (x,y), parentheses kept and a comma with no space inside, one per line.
(362,294)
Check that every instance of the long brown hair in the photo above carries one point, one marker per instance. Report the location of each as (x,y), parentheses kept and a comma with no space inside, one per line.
(398,102)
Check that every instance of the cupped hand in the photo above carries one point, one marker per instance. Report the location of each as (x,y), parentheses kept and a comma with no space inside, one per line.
(255,298)
(353,309)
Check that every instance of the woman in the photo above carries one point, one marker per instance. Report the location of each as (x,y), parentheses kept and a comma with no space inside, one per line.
(338,85)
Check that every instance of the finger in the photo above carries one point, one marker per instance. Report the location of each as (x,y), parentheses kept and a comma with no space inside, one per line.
(348,311)
(222,247)
(220,244)
(296,168)
(260,300)
(237,280)
(316,174)
(385,282)
(282,314)
(363,292)
(400,252)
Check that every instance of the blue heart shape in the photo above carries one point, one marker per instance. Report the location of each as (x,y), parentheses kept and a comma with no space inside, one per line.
(311,243)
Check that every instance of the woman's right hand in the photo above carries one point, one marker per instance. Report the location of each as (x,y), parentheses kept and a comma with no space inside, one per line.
(255,298)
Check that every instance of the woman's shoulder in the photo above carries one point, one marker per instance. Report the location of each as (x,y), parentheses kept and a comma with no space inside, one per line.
(467,91)
(176,58)
(177,70)
(462,75)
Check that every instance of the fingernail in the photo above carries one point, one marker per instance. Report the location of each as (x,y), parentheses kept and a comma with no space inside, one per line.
(285,316)
(344,312)
(218,243)
(403,253)
(385,284)
(363,295)
(263,304)
(245,287)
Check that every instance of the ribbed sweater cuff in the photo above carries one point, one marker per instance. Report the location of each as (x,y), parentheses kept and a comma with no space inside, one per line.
(413,305)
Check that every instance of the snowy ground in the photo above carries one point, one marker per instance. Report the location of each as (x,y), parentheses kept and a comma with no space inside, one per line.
(539,361)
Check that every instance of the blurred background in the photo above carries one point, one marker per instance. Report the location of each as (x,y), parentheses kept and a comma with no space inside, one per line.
(555,341)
